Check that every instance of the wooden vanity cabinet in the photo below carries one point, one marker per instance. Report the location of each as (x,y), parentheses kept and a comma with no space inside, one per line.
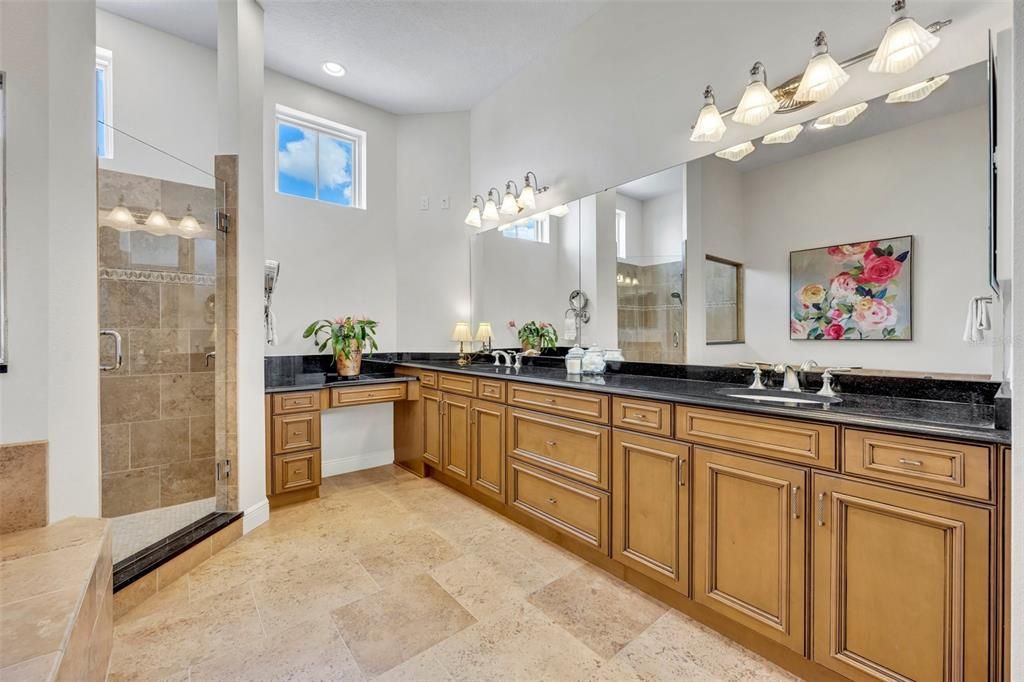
(901,583)
(487,448)
(432,428)
(750,543)
(651,507)
(456,413)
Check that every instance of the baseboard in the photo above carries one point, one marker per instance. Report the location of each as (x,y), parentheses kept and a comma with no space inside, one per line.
(256,516)
(364,460)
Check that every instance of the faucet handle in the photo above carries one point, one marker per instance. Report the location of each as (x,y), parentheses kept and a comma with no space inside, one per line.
(756,366)
(826,379)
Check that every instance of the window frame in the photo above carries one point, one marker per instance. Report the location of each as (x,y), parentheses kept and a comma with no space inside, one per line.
(740,331)
(620,233)
(323,126)
(105,63)
(542,229)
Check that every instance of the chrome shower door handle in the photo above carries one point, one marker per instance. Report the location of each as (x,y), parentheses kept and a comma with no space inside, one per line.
(118,355)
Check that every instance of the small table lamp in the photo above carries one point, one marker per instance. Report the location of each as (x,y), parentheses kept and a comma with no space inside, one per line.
(462,334)
(484,335)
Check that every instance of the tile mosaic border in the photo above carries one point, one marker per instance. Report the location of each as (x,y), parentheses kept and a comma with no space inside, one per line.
(126,275)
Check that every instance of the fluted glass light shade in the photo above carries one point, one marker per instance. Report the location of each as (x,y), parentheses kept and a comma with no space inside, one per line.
(527,199)
(784,136)
(823,76)
(188,226)
(120,218)
(473,218)
(508,204)
(490,210)
(904,44)
(843,117)
(917,91)
(560,211)
(157,222)
(737,152)
(709,126)
(758,102)
(483,332)
(462,332)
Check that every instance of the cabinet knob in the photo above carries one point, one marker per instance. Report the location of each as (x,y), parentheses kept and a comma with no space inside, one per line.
(550,400)
(642,417)
(551,443)
(552,500)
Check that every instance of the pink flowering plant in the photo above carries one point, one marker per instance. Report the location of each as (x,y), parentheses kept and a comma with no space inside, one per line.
(858,302)
(344,335)
(537,335)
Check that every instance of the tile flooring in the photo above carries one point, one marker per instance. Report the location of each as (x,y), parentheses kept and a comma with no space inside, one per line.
(391,577)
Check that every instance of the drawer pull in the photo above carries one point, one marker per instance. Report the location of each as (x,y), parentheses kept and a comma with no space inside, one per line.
(911,462)
(795,501)
(550,401)
(551,443)
(296,433)
(552,500)
(821,509)
(642,417)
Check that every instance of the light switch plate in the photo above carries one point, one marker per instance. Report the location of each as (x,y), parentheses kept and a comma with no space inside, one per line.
(445,203)
(424,203)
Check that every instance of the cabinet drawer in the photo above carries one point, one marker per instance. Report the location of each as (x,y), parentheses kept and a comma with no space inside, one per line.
(576,404)
(786,439)
(367,395)
(941,466)
(576,510)
(428,379)
(293,432)
(573,449)
(456,383)
(642,415)
(491,389)
(296,471)
(297,401)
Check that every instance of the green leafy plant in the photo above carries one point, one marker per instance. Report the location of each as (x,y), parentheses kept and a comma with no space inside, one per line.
(538,335)
(340,333)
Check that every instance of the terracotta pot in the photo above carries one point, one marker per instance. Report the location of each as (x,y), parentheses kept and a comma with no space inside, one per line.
(349,367)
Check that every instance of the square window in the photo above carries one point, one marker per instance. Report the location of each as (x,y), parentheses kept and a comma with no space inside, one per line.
(530,230)
(104,103)
(620,233)
(320,159)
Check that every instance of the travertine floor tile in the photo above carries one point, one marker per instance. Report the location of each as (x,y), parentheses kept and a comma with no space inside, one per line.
(405,553)
(422,667)
(478,585)
(391,626)
(602,612)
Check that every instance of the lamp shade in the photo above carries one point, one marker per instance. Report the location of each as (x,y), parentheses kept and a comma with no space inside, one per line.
(784,136)
(508,204)
(843,117)
(823,76)
(473,218)
(904,44)
(462,332)
(120,218)
(758,102)
(527,198)
(737,152)
(483,332)
(188,226)
(157,222)
(917,91)
(490,210)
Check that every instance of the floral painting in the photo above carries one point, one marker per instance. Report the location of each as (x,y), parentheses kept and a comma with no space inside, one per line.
(852,292)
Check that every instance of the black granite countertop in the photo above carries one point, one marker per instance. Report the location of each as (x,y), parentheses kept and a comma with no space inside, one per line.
(312,380)
(961,420)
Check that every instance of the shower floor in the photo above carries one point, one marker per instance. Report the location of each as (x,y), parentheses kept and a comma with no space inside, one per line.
(133,532)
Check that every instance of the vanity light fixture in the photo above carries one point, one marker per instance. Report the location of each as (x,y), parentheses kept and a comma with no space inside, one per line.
(784,136)
(484,335)
(188,226)
(758,102)
(157,223)
(120,218)
(709,126)
(560,211)
(843,117)
(462,334)
(528,197)
(823,76)
(736,152)
(904,44)
(333,69)
(509,205)
(473,218)
(917,91)
(491,208)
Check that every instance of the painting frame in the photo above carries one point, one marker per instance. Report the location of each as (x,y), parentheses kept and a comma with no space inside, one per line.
(906,293)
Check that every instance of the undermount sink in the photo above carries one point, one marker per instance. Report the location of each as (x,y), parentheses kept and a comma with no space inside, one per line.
(768,395)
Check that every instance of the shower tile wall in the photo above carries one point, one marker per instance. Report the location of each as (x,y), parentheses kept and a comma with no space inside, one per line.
(651,322)
(157,410)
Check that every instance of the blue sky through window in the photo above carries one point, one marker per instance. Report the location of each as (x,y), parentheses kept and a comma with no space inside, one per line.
(314,165)
(101,115)
(335,176)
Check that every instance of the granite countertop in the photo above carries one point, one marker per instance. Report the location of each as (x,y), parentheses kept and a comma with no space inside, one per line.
(967,421)
(308,381)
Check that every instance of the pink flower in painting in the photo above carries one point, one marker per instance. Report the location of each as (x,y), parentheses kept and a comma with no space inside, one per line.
(836,314)
(872,314)
(834,331)
(880,269)
(849,252)
(797,329)
(843,287)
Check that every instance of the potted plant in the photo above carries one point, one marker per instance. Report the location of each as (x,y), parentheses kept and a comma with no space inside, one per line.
(536,335)
(348,337)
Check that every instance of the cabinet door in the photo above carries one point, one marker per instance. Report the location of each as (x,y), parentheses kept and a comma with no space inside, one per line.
(487,448)
(901,584)
(650,493)
(749,543)
(431,426)
(455,417)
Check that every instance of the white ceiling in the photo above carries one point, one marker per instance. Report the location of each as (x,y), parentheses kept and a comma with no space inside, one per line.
(403,56)
(668,181)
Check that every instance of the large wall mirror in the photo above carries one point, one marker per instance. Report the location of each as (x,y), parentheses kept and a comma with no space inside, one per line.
(852,240)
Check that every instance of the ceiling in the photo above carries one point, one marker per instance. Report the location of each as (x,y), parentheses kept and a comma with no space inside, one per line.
(403,56)
(668,181)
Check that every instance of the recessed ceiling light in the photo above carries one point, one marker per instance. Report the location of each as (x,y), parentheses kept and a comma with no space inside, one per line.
(334,69)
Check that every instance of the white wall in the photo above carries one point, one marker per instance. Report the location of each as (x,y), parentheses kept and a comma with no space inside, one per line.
(165,92)
(664,227)
(635,233)
(875,188)
(51,390)
(621,91)
(1017,469)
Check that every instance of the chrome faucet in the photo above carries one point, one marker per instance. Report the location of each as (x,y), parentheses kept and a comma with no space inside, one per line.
(520,356)
(498,355)
(790,378)
(758,368)
(826,379)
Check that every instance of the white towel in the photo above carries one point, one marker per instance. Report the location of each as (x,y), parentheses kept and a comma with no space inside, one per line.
(569,331)
(978,319)
(270,322)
